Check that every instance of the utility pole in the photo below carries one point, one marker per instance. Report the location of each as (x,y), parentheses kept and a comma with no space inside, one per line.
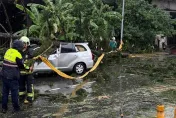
(122,25)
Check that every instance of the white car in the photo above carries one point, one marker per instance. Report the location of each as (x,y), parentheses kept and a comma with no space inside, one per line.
(68,57)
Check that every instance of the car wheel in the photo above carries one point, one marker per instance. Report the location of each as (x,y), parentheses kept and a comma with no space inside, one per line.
(79,68)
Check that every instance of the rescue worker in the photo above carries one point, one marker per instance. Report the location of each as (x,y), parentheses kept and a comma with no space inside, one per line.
(10,75)
(26,88)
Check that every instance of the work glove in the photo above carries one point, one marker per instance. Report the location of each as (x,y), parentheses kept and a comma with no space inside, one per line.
(37,59)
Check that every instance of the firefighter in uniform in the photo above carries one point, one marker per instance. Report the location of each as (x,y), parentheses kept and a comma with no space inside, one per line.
(10,75)
(26,88)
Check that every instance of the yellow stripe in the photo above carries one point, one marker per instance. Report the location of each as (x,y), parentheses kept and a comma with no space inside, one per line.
(121,44)
(30,95)
(22,93)
(26,67)
(97,63)
(25,72)
(33,91)
(67,76)
(54,69)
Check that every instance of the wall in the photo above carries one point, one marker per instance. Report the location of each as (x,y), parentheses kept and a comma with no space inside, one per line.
(165,4)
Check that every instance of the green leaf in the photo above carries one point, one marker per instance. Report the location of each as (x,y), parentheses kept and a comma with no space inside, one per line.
(93,24)
(91,1)
(21,32)
(31,15)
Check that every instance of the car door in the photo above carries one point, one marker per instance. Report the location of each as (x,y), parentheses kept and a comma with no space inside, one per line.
(54,57)
(41,66)
(67,56)
(83,52)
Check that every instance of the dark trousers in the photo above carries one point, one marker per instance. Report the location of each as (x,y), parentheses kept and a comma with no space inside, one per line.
(26,85)
(13,86)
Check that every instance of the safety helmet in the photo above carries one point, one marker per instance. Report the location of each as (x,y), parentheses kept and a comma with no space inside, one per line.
(25,39)
(17,44)
(113,38)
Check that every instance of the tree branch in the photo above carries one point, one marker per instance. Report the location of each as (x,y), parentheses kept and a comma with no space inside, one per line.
(8,35)
(3,28)
(27,19)
(47,49)
(8,21)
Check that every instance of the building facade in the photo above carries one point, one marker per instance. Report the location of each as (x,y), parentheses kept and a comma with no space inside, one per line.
(165,4)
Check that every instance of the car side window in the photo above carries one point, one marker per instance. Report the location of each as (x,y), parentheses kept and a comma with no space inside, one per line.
(80,48)
(68,48)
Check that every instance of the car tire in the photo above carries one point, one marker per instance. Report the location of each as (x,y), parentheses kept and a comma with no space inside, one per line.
(79,68)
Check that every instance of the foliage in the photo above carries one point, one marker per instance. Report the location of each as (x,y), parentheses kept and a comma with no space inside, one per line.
(142,23)
(2,52)
(150,1)
(95,19)
(73,19)
(48,20)
(78,20)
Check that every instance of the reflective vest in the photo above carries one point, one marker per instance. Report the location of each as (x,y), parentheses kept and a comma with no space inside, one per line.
(10,57)
(26,56)
(26,70)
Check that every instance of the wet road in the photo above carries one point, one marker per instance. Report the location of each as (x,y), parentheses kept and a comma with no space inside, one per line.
(48,84)
(53,84)
(138,95)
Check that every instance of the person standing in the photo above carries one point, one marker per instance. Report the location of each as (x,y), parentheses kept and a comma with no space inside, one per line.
(113,44)
(10,75)
(26,89)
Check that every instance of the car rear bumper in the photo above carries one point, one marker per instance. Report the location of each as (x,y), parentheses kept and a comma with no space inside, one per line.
(89,64)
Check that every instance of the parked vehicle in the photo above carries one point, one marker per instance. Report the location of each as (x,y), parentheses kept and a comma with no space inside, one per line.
(68,57)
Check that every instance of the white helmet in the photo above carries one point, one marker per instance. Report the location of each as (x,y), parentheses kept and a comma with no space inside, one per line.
(25,40)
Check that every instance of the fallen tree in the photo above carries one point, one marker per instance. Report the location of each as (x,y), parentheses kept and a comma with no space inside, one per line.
(8,35)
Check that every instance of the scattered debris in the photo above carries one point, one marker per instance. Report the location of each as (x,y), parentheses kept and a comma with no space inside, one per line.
(103,97)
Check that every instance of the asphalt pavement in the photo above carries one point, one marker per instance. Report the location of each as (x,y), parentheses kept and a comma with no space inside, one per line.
(52,84)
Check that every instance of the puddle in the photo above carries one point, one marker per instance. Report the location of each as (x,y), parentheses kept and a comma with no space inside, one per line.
(52,85)
(55,85)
